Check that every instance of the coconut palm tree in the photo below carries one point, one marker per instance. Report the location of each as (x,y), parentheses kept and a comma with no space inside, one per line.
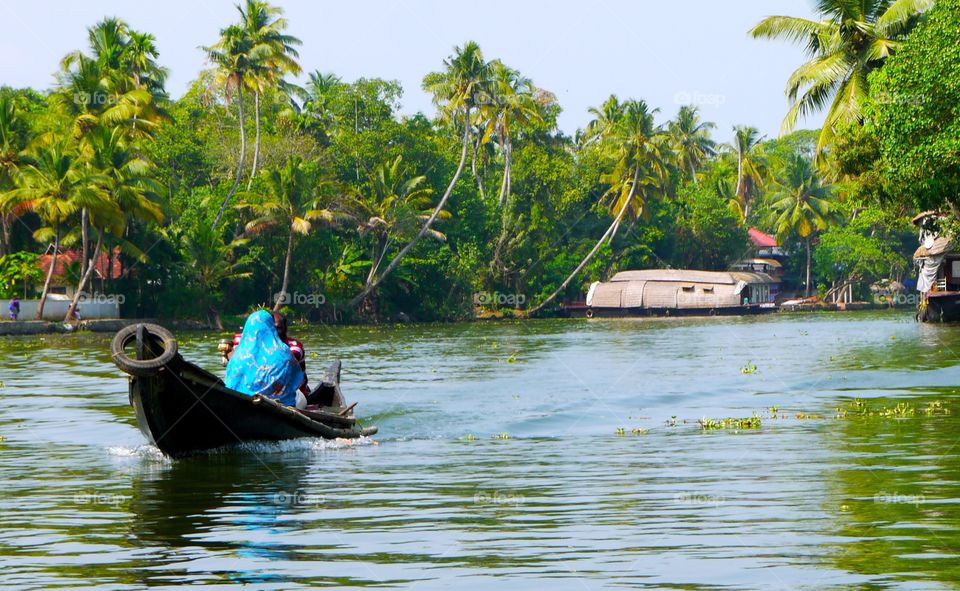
(800,205)
(209,261)
(514,104)
(272,55)
(55,184)
(641,169)
(132,190)
(460,88)
(292,201)
(851,40)
(231,56)
(750,169)
(392,210)
(690,141)
(11,158)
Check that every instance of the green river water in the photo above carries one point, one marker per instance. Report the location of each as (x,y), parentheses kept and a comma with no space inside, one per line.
(499,465)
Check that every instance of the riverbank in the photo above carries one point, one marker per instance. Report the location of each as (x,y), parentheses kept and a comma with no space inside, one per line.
(31,327)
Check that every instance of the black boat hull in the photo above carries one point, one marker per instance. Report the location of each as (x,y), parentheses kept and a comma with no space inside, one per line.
(183,409)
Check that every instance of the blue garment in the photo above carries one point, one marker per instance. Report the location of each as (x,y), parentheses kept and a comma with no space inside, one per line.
(262,363)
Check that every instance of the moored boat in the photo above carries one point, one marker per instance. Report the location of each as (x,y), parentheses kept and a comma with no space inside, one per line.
(182,408)
(668,292)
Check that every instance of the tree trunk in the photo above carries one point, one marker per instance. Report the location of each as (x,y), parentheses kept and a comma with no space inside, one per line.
(596,247)
(91,265)
(282,299)
(5,247)
(426,226)
(505,185)
(256,141)
(243,153)
(808,268)
(84,240)
(379,251)
(693,174)
(473,167)
(46,284)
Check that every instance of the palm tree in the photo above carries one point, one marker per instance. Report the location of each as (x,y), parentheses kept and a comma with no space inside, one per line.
(690,141)
(56,183)
(208,262)
(513,103)
(604,118)
(392,210)
(132,191)
(750,171)
(851,40)
(231,55)
(271,56)
(457,90)
(800,205)
(292,200)
(641,161)
(317,112)
(11,158)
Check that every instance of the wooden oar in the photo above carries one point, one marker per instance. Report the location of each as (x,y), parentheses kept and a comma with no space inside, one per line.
(345,411)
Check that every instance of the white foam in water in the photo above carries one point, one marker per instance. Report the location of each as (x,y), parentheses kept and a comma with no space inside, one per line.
(145,451)
(150,452)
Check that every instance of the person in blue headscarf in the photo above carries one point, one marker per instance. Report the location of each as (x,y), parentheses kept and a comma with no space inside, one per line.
(262,363)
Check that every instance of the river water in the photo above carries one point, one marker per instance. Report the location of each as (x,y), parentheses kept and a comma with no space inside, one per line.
(560,454)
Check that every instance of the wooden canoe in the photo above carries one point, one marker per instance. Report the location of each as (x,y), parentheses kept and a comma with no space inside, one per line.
(182,408)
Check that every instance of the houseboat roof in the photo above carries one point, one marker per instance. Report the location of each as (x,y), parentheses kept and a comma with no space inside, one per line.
(692,276)
(940,245)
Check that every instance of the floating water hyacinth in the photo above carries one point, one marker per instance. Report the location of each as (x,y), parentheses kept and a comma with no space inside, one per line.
(730,423)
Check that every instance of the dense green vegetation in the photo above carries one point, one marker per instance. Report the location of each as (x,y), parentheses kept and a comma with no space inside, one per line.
(252,190)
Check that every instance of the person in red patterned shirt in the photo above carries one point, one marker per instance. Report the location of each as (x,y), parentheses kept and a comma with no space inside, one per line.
(296,347)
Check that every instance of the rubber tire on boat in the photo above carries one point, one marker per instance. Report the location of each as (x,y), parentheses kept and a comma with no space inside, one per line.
(142,367)
(589,313)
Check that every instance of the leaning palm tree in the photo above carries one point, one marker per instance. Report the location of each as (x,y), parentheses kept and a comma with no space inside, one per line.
(231,56)
(457,91)
(55,184)
(850,40)
(392,210)
(690,141)
(641,168)
(800,205)
(292,201)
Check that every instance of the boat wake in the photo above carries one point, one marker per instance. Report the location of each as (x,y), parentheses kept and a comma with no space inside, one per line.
(306,444)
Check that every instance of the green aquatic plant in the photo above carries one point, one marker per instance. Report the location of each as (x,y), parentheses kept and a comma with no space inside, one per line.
(900,410)
(469,437)
(730,423)
(749,369)
(501,436)
(621,432)
(639,431)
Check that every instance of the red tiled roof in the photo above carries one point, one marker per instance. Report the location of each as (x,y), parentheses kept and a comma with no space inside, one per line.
(761,239)
(69,257)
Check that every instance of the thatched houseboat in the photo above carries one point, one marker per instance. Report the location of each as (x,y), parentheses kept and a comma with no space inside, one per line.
(668,292)
(938,277)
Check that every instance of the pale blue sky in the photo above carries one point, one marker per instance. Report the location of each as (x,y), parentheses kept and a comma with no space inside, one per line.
(664,52)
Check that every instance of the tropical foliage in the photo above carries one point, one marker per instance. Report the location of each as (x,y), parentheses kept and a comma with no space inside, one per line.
(352,211)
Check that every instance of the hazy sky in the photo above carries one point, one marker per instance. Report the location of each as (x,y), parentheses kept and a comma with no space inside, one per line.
(667,53)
